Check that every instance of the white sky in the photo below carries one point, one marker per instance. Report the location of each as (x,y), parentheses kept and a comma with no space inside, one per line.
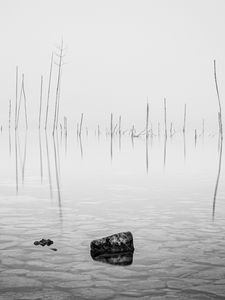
(118,53)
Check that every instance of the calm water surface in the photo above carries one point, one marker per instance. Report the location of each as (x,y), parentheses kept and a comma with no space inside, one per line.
(74,191)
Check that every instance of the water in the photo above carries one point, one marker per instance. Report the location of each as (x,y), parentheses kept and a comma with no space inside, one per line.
(75,191)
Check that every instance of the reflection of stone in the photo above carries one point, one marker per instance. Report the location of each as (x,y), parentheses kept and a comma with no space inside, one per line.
(120,259)
(116,243)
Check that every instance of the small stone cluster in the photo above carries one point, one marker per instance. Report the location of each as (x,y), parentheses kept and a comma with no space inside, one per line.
(45,242)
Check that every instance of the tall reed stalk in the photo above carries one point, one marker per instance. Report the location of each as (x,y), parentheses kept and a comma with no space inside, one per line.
(58,89)
(10,104)
(184,126)
(49,89)
(219,102)
(165,122)
(16,108)
(147,120)
(81,122)
(40,108)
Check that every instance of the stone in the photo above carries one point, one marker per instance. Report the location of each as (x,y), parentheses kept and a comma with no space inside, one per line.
(116,243)
(43,242)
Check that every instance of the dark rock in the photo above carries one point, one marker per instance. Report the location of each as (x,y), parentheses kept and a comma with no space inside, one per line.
(49,242)
(119,259)
(53,249)
(44,242)
(116,243)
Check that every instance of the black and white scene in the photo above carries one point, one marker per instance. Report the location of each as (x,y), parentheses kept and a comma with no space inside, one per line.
(111,149)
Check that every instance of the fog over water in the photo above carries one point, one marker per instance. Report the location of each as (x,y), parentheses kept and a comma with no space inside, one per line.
(117,54)
(109,166)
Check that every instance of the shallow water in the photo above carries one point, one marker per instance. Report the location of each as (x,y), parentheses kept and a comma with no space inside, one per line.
(75,191)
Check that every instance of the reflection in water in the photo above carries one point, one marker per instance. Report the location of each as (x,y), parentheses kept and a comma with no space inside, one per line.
(218,177)
(81,146)
(24,156)
(48,162)
(41,163)
(58,156)
(146,153)
(119,259)
(10,143)
(184,139)
(111,146)
(120,141)
(57,176)
(65,136)
(16,158)
(22,159)
(164,155)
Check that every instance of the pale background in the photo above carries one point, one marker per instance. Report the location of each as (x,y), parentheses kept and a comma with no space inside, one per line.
(118,53)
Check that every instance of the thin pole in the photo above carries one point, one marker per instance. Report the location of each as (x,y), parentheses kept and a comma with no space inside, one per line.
(184,127)
(165,117)
(120,125)
(219,103)
(57,88)
(9,114)
(20,99)
(39,126)
(147,119)
(111,125)
(49,88)
(25,103)
(81,122)
(16,97)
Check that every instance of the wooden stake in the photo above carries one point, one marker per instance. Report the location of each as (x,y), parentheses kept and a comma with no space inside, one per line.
(25,103)
(57,88)
(219,103)
(147,120)
(184,126)
(111,125)
(39,126)
(16,97)
(9,114)
(49,88)
(81,122)
(165,117)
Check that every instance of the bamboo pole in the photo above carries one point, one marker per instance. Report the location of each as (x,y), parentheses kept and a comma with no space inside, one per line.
(120,125)
(20,100)
(81,122)
(165,117)
(184,126)
(39,126)
(49,89)
(57,88)
(147,120)
(111,125)
(10,114)
(16,108)
(219,102)
(25,103)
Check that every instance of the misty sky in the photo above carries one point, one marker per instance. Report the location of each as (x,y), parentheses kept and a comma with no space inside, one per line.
(118,53)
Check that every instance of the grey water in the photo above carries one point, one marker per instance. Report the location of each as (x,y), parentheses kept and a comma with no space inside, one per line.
(169,193)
